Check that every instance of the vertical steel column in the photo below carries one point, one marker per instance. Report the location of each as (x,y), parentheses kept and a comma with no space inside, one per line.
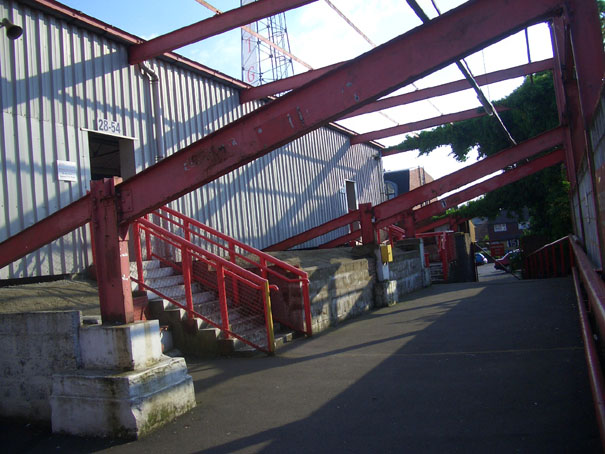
(111,243)
(367,224)
(409,224)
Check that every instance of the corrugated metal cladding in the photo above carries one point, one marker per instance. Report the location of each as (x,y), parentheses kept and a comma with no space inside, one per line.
(597,136)
(59,81)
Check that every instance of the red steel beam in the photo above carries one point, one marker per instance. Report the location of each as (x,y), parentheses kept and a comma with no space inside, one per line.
(433,225)
(589,59)
(55,226)
(418,125)
(453,87)
(289,83)
(443,40)
(492,184)
(215,25)
(460,32)
(334,224)
(392,208)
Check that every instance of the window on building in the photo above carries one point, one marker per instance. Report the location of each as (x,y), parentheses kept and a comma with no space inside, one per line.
(499,227)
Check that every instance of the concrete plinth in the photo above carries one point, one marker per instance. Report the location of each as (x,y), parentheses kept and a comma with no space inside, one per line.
(385,293)
(127,387)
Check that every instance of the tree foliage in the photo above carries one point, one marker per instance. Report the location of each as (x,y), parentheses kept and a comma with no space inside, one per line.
(532,110)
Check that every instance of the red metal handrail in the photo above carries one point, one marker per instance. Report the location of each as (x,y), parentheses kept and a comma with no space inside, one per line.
(224,267)
(266,263)
(547,262)
(584,273)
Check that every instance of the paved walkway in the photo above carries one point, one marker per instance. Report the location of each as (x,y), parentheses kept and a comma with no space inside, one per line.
(495,366)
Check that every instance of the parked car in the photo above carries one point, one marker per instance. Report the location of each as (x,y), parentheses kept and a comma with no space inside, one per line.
(504,263)
(480,259)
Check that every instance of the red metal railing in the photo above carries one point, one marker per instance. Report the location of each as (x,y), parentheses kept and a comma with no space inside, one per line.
(289,299)
(552,260)
(445,248)
(239,301)
(592,305)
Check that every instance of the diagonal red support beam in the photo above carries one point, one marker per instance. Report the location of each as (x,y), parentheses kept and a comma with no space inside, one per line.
(418,125)
(441,206)
(385,212)
(54,226)
(443,40)
(460,32)
(433,225)
(453,87)
(210,27)
(281,85)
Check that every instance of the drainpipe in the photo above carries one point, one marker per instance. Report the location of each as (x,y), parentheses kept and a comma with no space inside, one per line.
(160,153)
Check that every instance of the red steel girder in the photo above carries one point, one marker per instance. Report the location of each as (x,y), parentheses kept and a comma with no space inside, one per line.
(55,226)
(461,31)
(281,85)
(589,59)
(474,25)
(209,27)
(492,184)
(334,224)
(418,125)
(453,87)
(392,208)
(290,83)
(433,225)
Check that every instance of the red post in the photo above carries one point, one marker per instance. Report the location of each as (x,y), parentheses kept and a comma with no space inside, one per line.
(136,228)
(147,242)
(367,224)
(111,242)
(222,297)
(187,267)
(409,224)
(554,261)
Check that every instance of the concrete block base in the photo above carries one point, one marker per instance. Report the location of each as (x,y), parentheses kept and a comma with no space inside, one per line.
(385,293)
(124,405)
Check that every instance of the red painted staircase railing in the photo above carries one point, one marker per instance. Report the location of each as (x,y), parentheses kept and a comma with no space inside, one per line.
(290,301)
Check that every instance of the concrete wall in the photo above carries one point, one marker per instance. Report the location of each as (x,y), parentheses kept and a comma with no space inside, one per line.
(406,268)
(34,346)
(340,291)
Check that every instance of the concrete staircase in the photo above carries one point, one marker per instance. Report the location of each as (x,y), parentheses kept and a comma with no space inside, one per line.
(196,337)
(436,272)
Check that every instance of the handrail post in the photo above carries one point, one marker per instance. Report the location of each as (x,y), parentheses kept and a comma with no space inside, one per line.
(222,298)
(554,261)
(148,241)
(136,231)
(233,259)
(187,268)
(268,317)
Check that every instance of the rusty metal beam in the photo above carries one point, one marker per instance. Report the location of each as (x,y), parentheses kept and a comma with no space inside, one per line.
(392,208)
(453,87)
(340,91)
(444,40)
(589,59)
(315,232)
(54,226)
(281,85)
(210,27)
(417,126)
(441,206)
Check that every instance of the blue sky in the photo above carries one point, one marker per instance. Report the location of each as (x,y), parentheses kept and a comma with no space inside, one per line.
(320,37)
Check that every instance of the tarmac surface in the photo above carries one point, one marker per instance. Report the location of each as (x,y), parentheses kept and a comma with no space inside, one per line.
(495,366)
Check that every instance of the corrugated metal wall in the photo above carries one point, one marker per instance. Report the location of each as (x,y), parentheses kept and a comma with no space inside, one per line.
(597,137)
(58,79)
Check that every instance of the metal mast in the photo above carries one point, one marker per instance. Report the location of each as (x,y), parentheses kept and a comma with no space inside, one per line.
(261,61)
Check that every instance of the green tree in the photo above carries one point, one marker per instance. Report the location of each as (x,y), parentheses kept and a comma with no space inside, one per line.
(532,110)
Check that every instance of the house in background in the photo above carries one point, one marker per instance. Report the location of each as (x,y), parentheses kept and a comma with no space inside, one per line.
(501,234)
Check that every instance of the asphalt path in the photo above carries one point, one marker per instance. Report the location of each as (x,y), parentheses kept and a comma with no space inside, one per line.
(495,366)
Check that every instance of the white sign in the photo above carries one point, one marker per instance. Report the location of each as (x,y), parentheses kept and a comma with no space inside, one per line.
(67,171)
(104,125)
(250,54)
